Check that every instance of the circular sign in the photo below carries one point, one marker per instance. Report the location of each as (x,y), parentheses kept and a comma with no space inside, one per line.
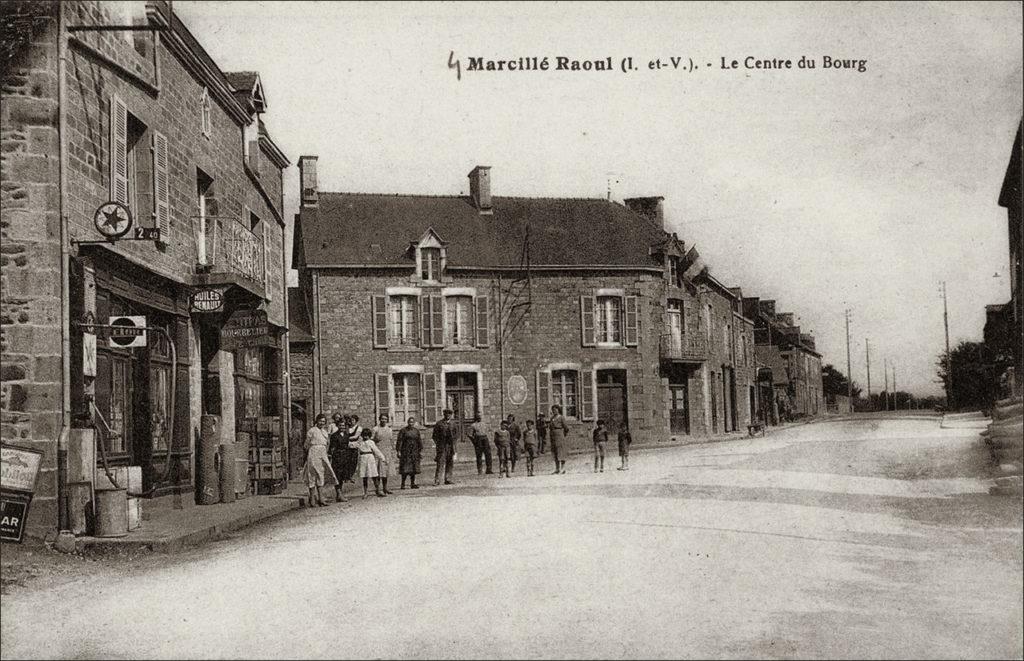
(516,389)
(112,220)
(130,336)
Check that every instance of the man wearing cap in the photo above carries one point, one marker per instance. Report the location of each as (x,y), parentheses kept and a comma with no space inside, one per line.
(444,445)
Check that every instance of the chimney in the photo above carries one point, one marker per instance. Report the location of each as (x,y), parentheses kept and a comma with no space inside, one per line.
(307,179)
(768,308)
(651,208)
(785,318)
(480,188)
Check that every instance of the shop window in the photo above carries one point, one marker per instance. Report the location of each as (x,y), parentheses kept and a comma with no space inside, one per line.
(119,410)
(406,399)
(563,391)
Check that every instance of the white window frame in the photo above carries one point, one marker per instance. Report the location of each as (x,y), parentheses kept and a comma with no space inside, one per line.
(403,374)
(608,325)
(468,338)
(426,270)
(396,304)
(560,389)
(206,113)
(443,385)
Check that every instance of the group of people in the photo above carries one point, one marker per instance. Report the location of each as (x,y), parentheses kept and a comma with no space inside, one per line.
(343,450)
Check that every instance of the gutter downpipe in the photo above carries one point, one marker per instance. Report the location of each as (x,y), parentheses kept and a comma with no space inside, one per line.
(65,538)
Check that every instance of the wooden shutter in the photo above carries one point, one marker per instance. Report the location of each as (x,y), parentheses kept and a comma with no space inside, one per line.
(543,392)
(161,187)
(430,399)
(380,322)
(587,320)
(586,395)
(119,150)
(425,324)
(482,337)
(266,259)
(436,321)
(382,382)
(632,321)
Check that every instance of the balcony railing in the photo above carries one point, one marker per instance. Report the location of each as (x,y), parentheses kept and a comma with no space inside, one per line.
(683,347)
(229,246)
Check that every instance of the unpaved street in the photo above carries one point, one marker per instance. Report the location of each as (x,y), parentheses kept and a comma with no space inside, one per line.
(843,539)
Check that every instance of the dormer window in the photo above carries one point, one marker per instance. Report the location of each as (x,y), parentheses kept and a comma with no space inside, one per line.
(430,264)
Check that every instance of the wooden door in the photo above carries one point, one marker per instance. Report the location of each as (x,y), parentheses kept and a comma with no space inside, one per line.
(460,397)
(679,408)
(611,399)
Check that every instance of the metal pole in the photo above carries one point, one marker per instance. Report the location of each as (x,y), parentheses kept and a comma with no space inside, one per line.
(895,399)
(949,370)
(885,371)
(849,374)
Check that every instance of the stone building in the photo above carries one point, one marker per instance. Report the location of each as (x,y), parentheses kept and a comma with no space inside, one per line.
(790,363)
(118,103)
(491,305)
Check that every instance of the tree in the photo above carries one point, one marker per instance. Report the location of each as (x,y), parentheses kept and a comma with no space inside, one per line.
(834,382)
(973,371)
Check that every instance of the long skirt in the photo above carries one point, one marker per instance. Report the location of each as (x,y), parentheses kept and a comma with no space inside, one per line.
(344,461)
(318,471)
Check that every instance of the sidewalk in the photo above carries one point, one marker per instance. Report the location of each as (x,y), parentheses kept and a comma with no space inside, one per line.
(169,526)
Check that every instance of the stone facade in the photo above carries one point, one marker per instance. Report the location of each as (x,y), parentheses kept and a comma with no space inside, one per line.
(153,102)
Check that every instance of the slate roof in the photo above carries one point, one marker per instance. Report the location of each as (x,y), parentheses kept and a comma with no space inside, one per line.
(350,229)
(241,81)
(1010,191)
(299,327)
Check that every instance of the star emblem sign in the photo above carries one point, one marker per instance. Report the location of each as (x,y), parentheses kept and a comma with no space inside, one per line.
(113,220)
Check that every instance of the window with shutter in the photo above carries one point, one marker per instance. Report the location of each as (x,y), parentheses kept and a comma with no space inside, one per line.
(587,320)
(380,322)
(406,401)
(402,326)
(544,392)
(430,399)
(632,321)
(161,187)
(564,391)
(459,324)
(586,395)
(382,382)
(118,150)
(482,336)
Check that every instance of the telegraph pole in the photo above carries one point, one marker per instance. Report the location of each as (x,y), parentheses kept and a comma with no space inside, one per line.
(885,371)
(949,370)
(895,399)
(849,375)
(867,353)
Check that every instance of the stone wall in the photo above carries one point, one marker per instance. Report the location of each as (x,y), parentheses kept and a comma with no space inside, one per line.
(30,280)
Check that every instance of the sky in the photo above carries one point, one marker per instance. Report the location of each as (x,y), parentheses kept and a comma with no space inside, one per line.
(824,189)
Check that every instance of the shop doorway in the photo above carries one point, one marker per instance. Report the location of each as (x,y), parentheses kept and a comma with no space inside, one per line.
(611,399)
(460,397)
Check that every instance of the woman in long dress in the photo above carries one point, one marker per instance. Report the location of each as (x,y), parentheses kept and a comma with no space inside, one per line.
(384,438)
(318,471)
(557,429)
(410,452)
(369,456)
(338,451)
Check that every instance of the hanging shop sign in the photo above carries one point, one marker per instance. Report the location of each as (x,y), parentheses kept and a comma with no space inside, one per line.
(517,389)
(19,468)
(127,332)
(246,328)
(206,300)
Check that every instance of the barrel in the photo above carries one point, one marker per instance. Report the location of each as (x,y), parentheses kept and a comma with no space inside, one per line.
(227,472)
(111,512)
(241,477)
(208,461)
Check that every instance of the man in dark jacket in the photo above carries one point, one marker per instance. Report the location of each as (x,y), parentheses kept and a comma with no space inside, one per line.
(444,446)
(515,433)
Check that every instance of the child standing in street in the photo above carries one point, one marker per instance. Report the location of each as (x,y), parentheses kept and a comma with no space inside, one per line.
(369,455)
(530,441)
(600,438)
(625,440)
(502,440)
